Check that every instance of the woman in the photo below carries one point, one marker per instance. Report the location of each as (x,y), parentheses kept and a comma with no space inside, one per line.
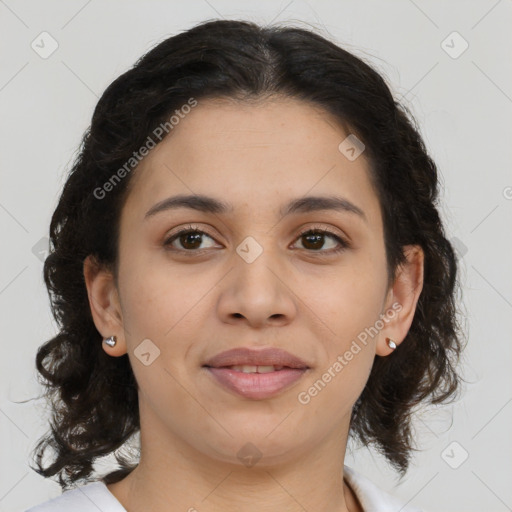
(248,266)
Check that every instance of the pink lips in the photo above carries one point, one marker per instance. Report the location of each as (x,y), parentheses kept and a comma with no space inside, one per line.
(256,386)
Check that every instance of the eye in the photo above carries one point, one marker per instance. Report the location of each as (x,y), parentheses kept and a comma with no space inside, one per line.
(190,239)
(315,240)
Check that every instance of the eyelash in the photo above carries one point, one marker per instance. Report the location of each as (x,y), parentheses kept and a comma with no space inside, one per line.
(343,244)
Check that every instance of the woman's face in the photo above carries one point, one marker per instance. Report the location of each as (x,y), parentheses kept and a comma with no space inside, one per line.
(251,280)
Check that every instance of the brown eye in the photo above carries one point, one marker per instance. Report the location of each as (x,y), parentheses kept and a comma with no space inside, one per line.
(314,240)
(189,240)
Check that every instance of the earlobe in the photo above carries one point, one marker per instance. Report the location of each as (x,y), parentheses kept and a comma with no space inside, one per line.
(112,348)
(391,343)
(401,301)
(105,306)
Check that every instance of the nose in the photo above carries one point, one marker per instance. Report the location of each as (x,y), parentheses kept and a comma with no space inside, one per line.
(258,293)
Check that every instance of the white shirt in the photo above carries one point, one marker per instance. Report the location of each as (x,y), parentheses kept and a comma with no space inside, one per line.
(96,496)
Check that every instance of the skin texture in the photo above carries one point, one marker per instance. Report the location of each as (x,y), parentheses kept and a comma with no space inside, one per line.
(257,156)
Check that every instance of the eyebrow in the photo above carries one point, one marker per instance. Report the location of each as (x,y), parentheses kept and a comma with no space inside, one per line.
(208,204)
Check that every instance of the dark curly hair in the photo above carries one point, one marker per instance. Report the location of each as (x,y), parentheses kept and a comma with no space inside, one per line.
(93,396)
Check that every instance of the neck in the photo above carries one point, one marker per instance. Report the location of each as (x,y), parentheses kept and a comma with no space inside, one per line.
(172,475)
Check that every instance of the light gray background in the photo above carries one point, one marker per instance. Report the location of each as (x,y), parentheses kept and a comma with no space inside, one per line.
(463,106)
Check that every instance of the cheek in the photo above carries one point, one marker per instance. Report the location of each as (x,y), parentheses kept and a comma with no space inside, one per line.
(350,298)
(156,308)
(156,294)
(350,308)
(168,308)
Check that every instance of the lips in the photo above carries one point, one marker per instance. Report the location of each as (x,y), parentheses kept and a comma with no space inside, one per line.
(250,357)
(256,374)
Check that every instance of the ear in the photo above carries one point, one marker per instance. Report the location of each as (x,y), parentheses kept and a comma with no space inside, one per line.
(105,306)
(401,300)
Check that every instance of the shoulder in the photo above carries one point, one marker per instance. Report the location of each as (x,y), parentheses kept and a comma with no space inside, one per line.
(372,498)
(86,498)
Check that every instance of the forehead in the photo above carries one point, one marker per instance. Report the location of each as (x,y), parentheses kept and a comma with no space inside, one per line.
(273,125)
(258,151)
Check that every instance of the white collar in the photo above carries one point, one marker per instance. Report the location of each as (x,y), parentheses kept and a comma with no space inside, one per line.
(373,498)
(96,495)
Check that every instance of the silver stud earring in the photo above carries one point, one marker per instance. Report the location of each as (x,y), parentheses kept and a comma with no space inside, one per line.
(391,344)
(110,341)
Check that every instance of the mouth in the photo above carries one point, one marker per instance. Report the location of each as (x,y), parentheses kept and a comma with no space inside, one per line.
(256,374)
(265,358)
(255,369)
